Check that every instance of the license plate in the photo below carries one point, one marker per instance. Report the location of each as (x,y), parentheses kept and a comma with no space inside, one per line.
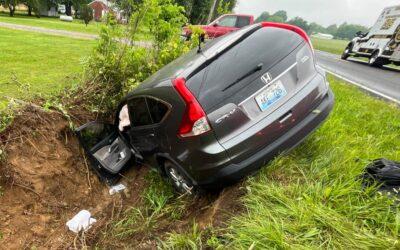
(271,95)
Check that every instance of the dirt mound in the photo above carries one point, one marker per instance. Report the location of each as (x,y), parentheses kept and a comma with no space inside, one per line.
(46,180)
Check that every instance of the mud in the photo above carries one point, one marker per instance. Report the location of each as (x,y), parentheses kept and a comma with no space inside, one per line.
(46,180)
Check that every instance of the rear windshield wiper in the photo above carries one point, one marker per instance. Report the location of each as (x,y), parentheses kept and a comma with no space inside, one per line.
(252,71)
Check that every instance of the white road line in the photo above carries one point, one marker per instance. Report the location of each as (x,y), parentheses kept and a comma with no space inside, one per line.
(362,86)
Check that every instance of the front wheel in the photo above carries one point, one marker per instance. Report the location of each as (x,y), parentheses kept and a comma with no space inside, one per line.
(374,60)
(180,182)
(346,53)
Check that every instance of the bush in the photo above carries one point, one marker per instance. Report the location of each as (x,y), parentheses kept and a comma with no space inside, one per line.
(117,66)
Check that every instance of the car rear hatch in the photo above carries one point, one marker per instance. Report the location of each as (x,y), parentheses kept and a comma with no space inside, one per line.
(258,90)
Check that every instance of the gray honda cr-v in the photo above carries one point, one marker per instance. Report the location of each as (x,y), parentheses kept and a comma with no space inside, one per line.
(216,115)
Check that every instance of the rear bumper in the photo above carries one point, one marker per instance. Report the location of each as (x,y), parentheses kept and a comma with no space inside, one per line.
(234,172)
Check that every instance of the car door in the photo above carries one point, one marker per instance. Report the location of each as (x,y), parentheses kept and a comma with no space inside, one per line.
(106,149)
(146,115)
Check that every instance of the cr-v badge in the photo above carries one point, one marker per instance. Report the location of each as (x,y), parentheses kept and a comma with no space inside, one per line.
(225,116)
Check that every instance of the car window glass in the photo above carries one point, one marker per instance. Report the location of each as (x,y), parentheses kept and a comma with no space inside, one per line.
(95,133)
(242,21)
(138,112)
(157,109)
(228,21)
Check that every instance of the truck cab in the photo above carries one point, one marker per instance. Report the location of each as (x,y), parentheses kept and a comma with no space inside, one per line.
(382,44)
(222,25)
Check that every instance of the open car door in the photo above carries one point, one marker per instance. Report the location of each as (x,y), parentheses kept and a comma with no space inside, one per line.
(107,150)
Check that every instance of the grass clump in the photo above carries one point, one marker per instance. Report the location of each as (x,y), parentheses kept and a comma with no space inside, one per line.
(160,204)
(313,198)
(195,238)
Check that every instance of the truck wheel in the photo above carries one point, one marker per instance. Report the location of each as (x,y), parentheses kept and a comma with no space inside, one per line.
(346,52)
(178,180)
(374,60)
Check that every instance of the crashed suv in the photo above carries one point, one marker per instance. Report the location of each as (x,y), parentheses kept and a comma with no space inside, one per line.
(213,116)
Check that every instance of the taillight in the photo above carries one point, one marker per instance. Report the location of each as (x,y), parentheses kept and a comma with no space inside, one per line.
(293,28)
(194,121)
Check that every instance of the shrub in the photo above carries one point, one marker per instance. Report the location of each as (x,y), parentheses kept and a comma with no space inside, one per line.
(118,66)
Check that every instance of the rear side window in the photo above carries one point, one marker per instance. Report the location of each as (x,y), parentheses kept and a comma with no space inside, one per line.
(138,112)
(158,110)
(242,21)
(228,21)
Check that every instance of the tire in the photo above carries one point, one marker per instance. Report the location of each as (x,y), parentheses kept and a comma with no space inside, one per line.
(346,52)
(178,180)
(374,60)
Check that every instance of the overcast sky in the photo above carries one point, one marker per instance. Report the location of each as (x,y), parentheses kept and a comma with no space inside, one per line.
(324,12)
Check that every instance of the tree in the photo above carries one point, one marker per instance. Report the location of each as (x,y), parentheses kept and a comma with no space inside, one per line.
(263,17)
(200,11)
(348,31)
(10,4)
(86,13)
(276,19)
(33,6)
(316,28)
(300,22)
(332,29)
(282,14)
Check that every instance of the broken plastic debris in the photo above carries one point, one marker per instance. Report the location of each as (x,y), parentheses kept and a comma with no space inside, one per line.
(81,221)
(116,189)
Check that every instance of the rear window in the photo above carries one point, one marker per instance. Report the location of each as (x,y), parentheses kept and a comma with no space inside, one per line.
(242,21)
(138,112)
(158,110)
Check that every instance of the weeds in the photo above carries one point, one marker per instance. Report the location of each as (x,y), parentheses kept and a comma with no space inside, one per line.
(159,203)
(195,238)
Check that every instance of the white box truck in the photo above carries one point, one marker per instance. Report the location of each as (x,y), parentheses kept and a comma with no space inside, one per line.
(382,43)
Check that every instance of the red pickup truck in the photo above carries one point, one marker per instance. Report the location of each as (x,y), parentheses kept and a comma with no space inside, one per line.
(222,25)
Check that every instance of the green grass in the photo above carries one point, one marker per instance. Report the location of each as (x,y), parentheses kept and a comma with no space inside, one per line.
(35,64)
(52,23)
(332,46)
(312,198)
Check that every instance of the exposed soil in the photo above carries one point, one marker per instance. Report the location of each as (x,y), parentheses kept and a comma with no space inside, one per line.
(46,180)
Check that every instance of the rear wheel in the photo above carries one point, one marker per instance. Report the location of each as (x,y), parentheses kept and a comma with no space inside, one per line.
(374,60)
(178,180)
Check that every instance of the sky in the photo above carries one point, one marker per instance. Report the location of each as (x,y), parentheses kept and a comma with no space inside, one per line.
(324,12)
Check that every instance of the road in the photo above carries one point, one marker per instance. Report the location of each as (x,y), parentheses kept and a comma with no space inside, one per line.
(384,82)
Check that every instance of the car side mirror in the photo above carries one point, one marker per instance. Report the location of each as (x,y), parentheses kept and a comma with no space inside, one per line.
(215,24)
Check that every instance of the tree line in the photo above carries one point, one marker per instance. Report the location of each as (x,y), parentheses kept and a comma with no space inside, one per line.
(197,11)
(343,31)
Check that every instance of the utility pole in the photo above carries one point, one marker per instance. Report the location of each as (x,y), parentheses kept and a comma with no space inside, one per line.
(210,16)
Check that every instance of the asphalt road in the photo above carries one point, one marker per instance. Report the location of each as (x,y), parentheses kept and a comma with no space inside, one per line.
(384,82)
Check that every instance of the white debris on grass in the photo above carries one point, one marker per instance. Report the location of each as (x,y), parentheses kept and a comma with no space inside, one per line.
(82,221)
(116,189)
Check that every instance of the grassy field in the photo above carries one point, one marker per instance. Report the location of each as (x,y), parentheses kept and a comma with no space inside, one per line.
(36,64)
(52,23)
(312,198)
(332,46)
